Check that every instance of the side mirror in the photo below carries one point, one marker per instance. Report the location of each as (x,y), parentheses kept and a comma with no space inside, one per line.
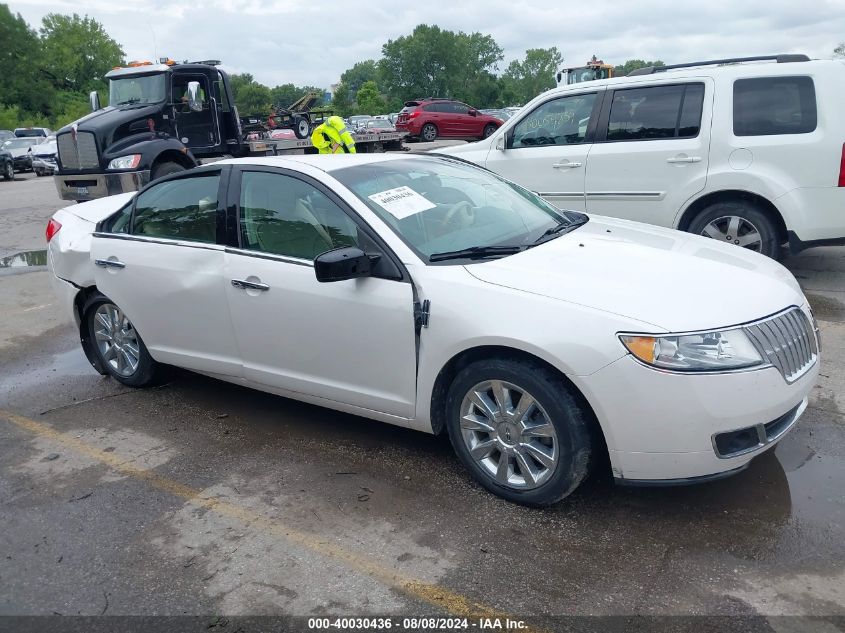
(348,262)
(501,143)
(473,112)
(94,100)
(194,102)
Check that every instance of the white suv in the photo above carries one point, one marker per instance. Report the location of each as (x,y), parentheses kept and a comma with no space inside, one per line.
(748,151)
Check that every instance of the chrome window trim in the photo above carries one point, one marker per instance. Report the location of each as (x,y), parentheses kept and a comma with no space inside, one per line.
(159,240)
(272,256)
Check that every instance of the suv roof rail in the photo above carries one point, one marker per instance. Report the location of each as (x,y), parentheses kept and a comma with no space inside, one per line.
(432,99)
(780,59)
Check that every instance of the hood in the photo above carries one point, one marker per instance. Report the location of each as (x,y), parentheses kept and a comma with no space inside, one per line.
(676,281)
(17,152)
(45,149)
(112,123)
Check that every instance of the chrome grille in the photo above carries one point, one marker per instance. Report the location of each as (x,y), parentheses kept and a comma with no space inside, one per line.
(788,341)
(81,154)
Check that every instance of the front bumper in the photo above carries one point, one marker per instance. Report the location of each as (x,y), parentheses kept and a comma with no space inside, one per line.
(93,186)
(660,427)
(22,163)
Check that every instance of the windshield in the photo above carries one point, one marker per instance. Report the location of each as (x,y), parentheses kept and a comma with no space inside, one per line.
(19,143)
(137,89)
(438,205)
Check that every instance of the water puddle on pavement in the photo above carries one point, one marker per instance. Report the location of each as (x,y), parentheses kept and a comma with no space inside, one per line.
(25,259)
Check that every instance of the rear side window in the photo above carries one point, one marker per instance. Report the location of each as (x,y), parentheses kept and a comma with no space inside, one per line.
(184,209)
(657,112)
(774,105)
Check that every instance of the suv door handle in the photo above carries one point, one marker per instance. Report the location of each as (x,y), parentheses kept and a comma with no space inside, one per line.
(566,165)
(243,284)
(684,159)
(109,263)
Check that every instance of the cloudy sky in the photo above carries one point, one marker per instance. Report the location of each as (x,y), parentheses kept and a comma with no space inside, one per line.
(313,42)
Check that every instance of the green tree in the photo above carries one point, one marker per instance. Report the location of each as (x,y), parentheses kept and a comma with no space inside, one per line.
(368,98)
(534,74)
(436,62)
(254,98)
(839,51)
(359,74)
(77,52)
(341,105)
(634,64)
(284,95)
(22,84)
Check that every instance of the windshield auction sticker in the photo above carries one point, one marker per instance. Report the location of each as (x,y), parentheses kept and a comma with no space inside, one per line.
(401,202)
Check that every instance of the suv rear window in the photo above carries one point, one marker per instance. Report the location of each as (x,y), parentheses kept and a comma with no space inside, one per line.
(657,112)
(774,105)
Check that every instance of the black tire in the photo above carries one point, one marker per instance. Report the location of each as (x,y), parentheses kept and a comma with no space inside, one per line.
(570,421)
(165,169)
(301,127)
(147,368)
(489,129)
(753,217)
(9,172)
(428,133)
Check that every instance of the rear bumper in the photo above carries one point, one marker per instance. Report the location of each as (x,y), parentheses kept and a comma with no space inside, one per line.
(93,186)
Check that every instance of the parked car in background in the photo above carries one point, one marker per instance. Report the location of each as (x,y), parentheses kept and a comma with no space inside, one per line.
(357,120)
(7,165)
(428,119)
(6,134)
(44,157)
(745,151)
(379,125)
(41,132)
(21,151)
(500,114)
(541,341)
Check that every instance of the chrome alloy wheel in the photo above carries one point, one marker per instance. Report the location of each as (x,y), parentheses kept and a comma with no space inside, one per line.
(735,230)
(116,339)
(509,435)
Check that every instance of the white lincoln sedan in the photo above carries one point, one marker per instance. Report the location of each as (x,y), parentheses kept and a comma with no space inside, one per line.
(433,294)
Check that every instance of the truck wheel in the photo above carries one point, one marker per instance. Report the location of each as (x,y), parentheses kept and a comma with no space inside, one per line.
(740,223)
(9,172)
(165,169)
(301,127)
(428,132)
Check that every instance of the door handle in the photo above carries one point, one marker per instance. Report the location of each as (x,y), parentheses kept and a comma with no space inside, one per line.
(109,263)
(243,284)
(566,165)
(684,159)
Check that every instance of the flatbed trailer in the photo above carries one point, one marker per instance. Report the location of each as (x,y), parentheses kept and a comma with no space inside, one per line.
(365,142)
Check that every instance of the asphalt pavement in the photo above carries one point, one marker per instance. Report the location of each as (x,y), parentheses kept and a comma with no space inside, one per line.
(198,497)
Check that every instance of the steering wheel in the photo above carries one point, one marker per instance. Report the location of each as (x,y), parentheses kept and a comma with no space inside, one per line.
(460,211)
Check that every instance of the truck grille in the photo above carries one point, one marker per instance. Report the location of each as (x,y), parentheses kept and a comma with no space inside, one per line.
(79,154)
(788,341)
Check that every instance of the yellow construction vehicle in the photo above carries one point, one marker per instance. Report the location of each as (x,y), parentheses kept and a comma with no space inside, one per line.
(594,69)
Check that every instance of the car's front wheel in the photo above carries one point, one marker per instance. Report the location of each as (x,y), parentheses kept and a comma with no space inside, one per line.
(117,344)
(9,172)
(518,429)
(428,132)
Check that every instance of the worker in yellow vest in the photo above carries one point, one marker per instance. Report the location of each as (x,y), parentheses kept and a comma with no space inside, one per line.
(332,137)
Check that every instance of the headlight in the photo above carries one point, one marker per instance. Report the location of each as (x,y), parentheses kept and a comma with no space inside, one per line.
(707,351)
(125,162)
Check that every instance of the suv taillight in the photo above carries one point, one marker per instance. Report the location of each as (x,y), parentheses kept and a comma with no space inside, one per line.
(842,167)
(415,113)
(52,228)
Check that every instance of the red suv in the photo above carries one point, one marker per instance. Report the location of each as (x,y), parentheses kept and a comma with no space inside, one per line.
(429,118)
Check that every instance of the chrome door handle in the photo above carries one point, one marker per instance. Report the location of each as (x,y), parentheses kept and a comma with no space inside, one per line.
(243,284)
(565,165)
(109,263)
(685,159)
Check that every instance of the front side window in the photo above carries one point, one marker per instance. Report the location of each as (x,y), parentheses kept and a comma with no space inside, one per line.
(765,106)
(283,215)
(438,205)
(184,209)
(656,112)
(562,121)
(137,89)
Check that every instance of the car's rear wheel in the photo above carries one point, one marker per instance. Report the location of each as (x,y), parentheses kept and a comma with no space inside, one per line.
(9,172)
(428,132)
(117,344)
(165,169)
(519,431)
(739,223)
(489,129)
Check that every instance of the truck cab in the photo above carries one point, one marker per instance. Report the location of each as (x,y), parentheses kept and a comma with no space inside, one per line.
(161,118)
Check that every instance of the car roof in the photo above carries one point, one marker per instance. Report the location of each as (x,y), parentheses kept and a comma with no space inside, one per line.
(324,162)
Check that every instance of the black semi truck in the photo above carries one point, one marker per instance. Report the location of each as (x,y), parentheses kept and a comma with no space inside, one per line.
(161,118)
